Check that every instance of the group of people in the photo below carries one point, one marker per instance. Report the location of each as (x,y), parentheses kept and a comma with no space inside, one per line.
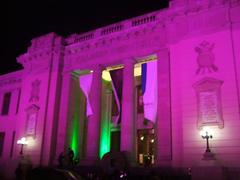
(25,164)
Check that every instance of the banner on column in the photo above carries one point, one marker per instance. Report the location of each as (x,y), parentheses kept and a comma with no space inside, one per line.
(149,90)
(117,81)
(85,84)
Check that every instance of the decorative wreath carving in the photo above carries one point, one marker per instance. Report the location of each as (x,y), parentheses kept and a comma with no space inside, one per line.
(205,58)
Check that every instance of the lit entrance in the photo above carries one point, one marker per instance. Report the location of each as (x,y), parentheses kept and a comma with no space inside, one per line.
(145,146)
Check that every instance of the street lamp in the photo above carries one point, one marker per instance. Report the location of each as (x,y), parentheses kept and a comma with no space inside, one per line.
(207,134)
(22,142)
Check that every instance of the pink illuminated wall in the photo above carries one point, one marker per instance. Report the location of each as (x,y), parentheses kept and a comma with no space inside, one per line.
(184,38)
(185,108)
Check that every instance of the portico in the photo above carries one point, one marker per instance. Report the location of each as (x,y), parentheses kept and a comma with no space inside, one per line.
(194,45)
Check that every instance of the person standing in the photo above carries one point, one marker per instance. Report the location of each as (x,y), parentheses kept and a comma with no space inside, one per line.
(18,172)
(70,156)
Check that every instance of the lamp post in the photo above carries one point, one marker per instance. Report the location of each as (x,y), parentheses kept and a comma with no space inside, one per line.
(206,133)
(22,142)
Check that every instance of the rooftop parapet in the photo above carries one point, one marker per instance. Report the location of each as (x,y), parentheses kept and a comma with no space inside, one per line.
(113,28)
(163,16)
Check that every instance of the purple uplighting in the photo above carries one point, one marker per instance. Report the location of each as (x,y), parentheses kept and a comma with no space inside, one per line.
(161,90)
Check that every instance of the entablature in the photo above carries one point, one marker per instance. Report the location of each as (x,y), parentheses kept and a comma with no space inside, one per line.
(148,33)
(11,80)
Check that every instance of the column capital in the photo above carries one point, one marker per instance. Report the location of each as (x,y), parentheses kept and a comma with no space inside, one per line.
(98,67)
(67,73)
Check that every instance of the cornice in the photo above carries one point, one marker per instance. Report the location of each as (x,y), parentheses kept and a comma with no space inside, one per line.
(32,61)
(10,81)
(41,52)
(11,78)
(164,17)
(105,55)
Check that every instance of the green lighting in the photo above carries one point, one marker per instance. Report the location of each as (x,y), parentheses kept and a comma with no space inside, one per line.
(74,142)
(104,138)
(105,123)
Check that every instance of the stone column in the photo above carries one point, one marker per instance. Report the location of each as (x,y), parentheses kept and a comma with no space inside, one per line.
(163,127)
(63,113)
(94,120)
(128,119)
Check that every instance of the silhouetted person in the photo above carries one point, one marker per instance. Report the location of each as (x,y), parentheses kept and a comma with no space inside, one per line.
(18,172)
(76,161)
(147,160)
(70,155)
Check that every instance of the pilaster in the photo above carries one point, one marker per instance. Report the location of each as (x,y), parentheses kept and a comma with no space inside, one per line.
(63,113)
(163,124)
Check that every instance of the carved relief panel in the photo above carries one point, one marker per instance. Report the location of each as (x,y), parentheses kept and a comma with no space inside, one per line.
(32,114)
(35,91)
(208,91)
(205,58)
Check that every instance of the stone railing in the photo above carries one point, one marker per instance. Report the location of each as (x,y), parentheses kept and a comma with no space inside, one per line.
(143,20)
(113,28)
(75,38)
(163,16)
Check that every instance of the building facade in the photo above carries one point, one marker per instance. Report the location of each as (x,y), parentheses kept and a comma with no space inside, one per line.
(196,45)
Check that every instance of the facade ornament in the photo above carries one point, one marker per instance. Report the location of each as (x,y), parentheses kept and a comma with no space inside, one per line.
(10,81)
(209,103)
(31,121)
(205,58)
(35,91)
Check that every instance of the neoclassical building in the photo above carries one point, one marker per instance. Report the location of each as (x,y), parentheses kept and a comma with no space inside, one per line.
(196,48)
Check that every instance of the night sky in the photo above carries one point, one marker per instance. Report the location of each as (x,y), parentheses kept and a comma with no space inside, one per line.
(29,19)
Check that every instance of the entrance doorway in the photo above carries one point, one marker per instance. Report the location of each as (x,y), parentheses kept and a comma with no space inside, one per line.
(145,146)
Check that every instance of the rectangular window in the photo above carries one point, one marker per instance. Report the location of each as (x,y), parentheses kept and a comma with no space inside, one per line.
(6,103)
(2,134)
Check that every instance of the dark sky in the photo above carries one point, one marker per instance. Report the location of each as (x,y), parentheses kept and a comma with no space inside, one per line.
(28,19)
